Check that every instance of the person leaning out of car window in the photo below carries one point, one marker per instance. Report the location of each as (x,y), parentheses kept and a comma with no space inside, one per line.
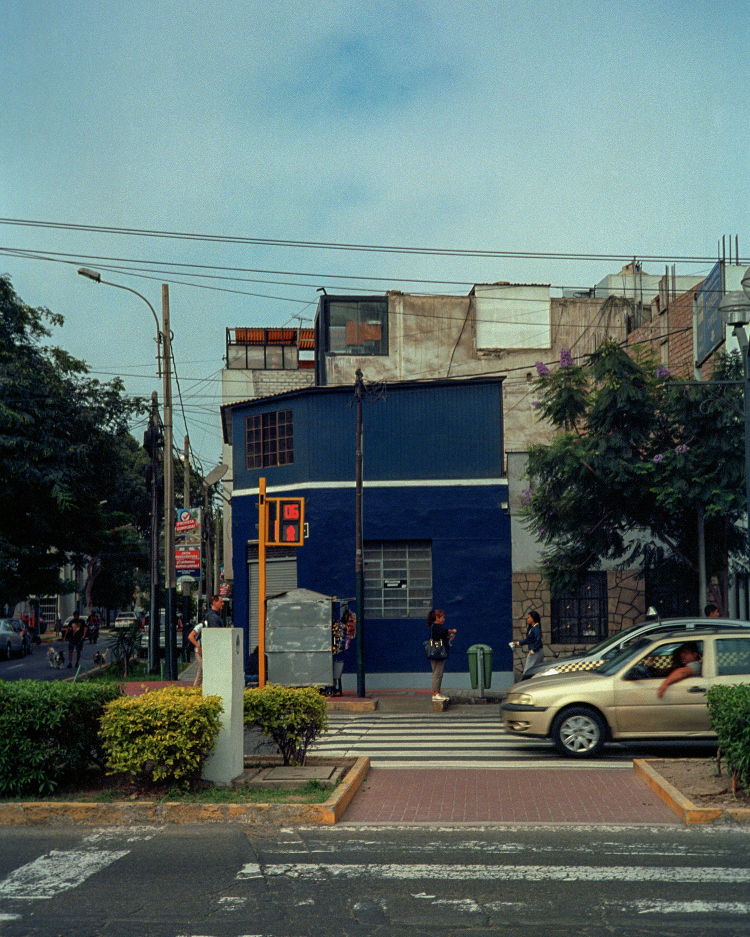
(686,662)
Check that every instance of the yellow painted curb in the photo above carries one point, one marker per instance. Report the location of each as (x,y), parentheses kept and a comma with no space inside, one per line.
(685,809)
(39,813)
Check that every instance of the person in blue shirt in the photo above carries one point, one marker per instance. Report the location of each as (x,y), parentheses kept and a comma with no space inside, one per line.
(533,640)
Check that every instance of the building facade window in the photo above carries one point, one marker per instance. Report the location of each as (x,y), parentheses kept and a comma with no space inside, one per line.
(269,439)
(581,617)
(357,326)
(398,578)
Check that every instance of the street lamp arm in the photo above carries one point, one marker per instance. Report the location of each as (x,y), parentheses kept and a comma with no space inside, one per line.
(97,278)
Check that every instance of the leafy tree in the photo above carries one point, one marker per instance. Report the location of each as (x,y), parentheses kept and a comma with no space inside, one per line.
(639,458)
(69,476)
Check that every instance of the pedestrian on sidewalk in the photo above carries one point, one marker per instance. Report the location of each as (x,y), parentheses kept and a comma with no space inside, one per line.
(533,640)
(75,636)
(439,632)
(213,620)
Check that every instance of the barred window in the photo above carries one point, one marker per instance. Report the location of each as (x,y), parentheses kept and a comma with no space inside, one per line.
(398,578)
(269,439)
(581,617)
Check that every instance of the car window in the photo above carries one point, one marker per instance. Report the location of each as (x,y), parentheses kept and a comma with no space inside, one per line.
(732,656)
(661,660)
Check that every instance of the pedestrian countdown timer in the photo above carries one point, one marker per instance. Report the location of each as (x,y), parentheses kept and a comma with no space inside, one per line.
(285,522)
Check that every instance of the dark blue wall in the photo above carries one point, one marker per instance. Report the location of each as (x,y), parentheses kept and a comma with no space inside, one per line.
(471,564)
(448,431)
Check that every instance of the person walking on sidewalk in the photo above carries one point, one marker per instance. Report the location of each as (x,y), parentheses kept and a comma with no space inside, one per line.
(439,632)
(213,620)
(533,639)
(74,636)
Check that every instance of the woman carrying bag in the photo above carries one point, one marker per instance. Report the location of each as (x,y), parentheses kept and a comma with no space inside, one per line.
(437,649)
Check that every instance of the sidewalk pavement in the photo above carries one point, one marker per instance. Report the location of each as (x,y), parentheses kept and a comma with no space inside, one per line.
(581,794)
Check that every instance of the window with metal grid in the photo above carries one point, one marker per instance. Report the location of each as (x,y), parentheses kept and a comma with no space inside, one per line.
(269,439)
(398,578)
(581,617)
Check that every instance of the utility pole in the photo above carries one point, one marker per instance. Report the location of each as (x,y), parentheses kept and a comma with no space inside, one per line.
(186,472)
(359,563)
(153,619)
(170,582)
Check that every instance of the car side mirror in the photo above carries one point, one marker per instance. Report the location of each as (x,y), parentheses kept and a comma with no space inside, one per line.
(637,672)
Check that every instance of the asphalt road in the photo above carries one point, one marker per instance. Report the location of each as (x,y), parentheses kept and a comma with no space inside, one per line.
(36,666)
(228,881)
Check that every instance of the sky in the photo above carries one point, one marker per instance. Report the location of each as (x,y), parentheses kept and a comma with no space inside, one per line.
(527,142)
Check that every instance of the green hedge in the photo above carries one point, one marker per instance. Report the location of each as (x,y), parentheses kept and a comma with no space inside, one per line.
(729,709)
(163,736)
(49,733)
(291,717)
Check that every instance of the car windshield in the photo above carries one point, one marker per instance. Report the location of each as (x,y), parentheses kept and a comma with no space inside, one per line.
(610,645)
(608,667)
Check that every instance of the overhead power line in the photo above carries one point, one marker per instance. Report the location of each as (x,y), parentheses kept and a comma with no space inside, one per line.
(339,246)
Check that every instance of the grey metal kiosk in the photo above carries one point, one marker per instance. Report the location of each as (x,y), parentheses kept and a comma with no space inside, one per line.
(298,638)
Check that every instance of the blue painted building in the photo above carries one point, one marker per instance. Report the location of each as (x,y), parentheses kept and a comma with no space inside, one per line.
(435,515)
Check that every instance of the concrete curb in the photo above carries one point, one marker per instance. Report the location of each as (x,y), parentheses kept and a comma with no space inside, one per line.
(685,809)
(38,813)
(341,704)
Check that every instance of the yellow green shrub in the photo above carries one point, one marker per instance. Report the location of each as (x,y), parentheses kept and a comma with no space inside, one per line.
(164,735)
(292,717)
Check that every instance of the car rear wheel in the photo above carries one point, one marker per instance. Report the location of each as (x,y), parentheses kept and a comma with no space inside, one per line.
(579,732)
(8,651)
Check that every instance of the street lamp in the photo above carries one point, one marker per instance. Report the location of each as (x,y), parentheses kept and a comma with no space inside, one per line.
(164,339)
(735,310)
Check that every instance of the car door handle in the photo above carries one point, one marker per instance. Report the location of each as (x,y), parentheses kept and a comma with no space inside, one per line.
(697,689)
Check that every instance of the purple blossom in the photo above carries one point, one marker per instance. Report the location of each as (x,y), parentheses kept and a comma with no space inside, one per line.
(541,368)
(566,359)
(525,496)
(662,372)
(535,403)
(658,458)
(542,531)
(681,449)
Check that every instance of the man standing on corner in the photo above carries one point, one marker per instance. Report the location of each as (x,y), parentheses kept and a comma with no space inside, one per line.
(213,620)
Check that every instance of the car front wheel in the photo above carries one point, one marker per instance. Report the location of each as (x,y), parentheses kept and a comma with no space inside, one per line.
(579,732)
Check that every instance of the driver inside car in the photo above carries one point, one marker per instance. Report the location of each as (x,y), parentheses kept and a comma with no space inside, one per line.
(686,662)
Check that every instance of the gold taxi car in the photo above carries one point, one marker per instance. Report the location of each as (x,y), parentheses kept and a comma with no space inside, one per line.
(620,700)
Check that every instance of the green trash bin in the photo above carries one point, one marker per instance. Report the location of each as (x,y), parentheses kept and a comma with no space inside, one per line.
(475,666)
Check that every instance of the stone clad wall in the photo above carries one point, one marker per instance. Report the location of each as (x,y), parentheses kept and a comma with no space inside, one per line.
(625,605)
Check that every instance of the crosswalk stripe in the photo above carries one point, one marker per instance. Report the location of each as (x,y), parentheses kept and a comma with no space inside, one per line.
(476,739)
(56,872)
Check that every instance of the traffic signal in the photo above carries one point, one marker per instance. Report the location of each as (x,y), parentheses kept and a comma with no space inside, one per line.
(285,522)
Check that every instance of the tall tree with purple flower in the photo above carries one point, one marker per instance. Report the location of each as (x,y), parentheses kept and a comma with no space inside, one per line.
(639,457)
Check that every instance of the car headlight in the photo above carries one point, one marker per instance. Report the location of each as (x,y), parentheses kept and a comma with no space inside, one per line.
(523,699)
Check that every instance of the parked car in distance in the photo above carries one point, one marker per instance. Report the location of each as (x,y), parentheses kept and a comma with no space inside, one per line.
(126,619)
(612,645)
(143,636)
(582,710)
(14,639)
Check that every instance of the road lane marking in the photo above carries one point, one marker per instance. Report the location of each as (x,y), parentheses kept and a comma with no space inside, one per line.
(56,872)
(534,873)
